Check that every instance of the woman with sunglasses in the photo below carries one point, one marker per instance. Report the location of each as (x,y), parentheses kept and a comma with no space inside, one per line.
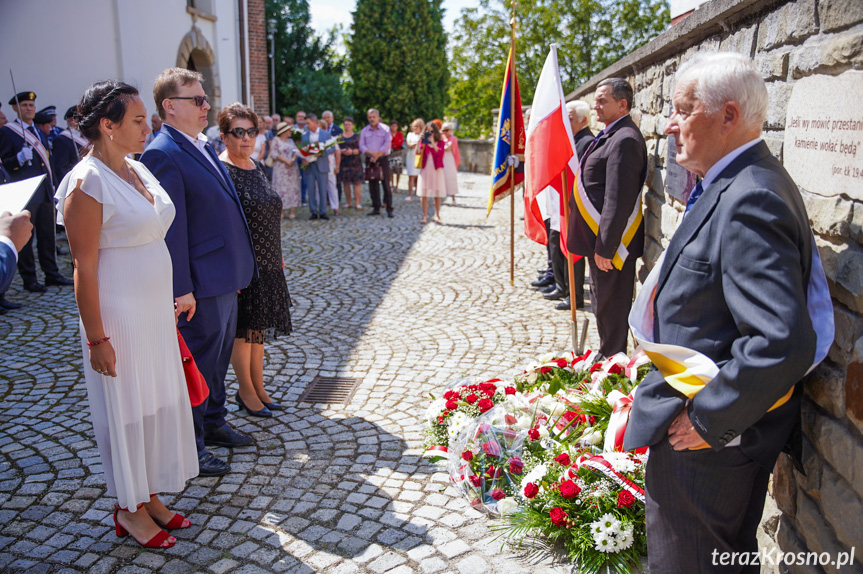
(451,160)
(263,308)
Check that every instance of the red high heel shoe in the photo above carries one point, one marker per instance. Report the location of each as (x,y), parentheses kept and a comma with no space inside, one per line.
(178,521)
(155,542)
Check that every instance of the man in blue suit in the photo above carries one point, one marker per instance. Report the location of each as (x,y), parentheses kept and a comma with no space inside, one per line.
(15,232)
(210,245)
(316,174)
(24,153)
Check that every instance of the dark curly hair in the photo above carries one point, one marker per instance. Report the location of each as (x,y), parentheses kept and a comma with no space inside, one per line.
(109,100)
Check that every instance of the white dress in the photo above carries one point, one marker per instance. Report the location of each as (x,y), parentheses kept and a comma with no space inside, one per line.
(450,172)
(412,139)
(142,418)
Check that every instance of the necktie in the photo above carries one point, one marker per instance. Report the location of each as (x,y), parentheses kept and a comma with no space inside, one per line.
(693,197)
(590,147)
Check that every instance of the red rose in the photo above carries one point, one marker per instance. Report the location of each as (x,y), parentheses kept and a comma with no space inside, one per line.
(625,499)
(563,459)
(467,455)
(595,367)
(509,434)
(493,472)
(498,493)
(530,490)
(509,390)
(509,419)
(476,503)
(491,448)
(562,363)
(471,399)
(592,420)
(615,369)
(516,465)
(533,434)
(569,489)
(558,516)
(569,415)
(451,405)
(475,480)
(488,389)
(545,370)
(484,405)
(447,395)
(440,420)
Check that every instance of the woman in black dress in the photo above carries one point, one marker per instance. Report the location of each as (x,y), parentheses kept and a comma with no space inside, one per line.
(263,308)
(351,168)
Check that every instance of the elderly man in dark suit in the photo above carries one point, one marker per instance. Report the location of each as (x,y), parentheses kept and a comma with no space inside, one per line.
(24,153)
(731,295)
(210,245)
(606,226)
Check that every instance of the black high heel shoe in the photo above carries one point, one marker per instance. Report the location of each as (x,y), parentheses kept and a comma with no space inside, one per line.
(264,413)
(274,406)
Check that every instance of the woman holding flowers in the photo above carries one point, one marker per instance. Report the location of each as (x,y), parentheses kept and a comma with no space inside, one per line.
(286,172)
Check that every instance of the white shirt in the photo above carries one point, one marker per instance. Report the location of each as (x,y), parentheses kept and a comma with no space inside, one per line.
(725,161)
(199,142)
(315,136)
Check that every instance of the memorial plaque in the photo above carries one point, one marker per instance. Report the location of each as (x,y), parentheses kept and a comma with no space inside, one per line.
(678,180)
(823,149)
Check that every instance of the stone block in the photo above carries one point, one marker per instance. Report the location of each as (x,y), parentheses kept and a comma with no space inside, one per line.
(854,393)
(836,14)
(789,540)
(817,533)
(856,226)
(789,24)
(809,481)
(648,124)
(826,386)
(830,216)
(785,486)
(832,54)
(778,94)
(843,265)
(775,141)
(773,65)
(742,41)
(842,508)
(839,444)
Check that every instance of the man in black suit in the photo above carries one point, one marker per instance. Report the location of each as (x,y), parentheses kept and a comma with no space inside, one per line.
(730,295)
(24,153)
(605,225)
(68,145)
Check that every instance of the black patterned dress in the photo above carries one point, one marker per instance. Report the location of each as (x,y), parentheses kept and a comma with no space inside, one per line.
(263,308)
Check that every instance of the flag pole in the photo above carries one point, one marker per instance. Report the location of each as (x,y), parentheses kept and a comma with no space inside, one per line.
(576,347)
(512,24)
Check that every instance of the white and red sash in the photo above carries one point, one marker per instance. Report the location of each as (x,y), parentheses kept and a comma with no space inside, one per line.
(75,137)
(34,142)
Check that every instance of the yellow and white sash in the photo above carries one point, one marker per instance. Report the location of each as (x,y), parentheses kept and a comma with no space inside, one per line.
(591,216)
(688,371)
(75,137)
(33,142)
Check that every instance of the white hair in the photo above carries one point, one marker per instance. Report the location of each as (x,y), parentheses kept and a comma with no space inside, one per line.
(449,126)
(326,112)
(578,107)
(717,78)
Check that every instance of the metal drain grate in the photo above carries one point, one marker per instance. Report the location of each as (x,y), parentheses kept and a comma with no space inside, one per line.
(332,390)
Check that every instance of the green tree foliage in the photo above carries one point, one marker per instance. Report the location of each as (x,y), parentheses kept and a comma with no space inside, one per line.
(398,60)
(591,34)
(308,70)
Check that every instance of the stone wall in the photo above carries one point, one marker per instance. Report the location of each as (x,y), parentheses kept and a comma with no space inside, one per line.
(476,155)
(821,510)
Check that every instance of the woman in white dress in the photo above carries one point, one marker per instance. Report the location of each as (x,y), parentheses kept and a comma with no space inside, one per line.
(116,215)
(451,159)
(411,141)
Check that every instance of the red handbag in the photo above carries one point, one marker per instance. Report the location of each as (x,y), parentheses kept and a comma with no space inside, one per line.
(198,390)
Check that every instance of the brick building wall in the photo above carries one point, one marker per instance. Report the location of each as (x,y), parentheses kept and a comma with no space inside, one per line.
(820,510)
(259,84)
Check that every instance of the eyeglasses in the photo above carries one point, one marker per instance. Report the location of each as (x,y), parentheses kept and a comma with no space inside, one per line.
(240,132)
(199,100)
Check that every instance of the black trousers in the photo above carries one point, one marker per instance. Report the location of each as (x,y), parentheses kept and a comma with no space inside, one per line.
(701,504)
(374,187)
(561,272)
(42,218)
(611,300)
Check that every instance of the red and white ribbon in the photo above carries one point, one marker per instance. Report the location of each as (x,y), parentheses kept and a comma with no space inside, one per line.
(621,405)
(436,450)
(599,464)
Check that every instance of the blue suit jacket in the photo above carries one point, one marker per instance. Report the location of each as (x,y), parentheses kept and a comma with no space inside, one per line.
(209,240)
(7,267)
(322,164)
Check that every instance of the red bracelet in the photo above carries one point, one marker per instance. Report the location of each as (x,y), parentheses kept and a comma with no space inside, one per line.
(99,342)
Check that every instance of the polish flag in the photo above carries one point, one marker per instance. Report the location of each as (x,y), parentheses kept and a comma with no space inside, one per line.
(550,151)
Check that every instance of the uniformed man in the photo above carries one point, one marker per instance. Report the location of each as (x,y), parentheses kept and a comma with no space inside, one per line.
(53,130)
(24,153)
(68,145)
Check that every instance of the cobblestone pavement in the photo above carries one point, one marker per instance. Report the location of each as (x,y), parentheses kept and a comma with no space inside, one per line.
(402,306)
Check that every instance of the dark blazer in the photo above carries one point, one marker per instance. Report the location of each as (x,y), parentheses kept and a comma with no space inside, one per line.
(582,140)
(613,175)
(210,244)
(733,286)
(7,267)
(65,156)
(10,144)
(322,164)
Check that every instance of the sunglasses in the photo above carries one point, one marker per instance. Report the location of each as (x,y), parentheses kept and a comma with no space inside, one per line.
(199,100)
(240,132)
